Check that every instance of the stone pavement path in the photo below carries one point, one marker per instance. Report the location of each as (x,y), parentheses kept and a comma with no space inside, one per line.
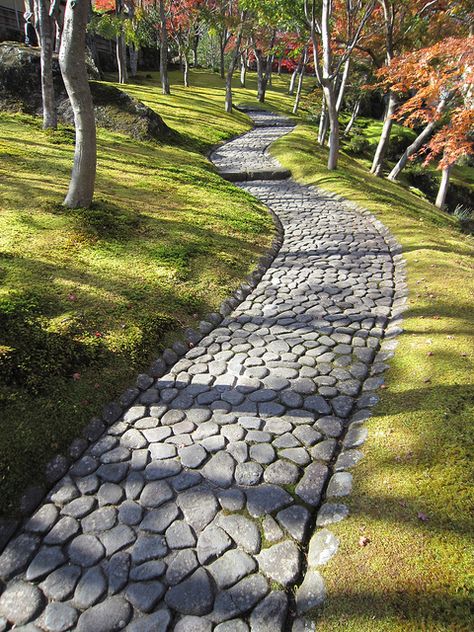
(194,511)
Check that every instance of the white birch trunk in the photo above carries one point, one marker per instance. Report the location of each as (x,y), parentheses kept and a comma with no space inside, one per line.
(45,28)
(165,84)
(443,187)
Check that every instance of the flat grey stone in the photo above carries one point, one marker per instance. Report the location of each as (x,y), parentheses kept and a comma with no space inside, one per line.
(220,469)
(60,584)
(271,530)
(310,487)
(162,451)
(117,538)
(144,595)
(130,513)
(266,499)
(156,622)
(133,439)
(158,520)
(356,436)
(324,450)
(17,554)
(329,426)
(330,513)
(45,561)
(212,542)
(193,455)
(20,602)
(348,459)
(239,450)
(148,547)
(155,494)
(100,520)
(311,593)
(79,507)
(307,435)
(231,567)
(317,404)
(110,494)
(117,571)
(340,484)
(179,535)
(43,519)
(59,617)
(282,473)
(297,455)
(182,565)
(157,470)
(193,596)
(147,571)
(248,473)
(243,531)
(281,562)
(240,598)
(193,624)
(85,550)
(235,625)
(110,615)
(91,587)
(295,520)
(322,546)
(199,506)
(62,531)
(134,485)
(231,499)
(262,453)
(270,614)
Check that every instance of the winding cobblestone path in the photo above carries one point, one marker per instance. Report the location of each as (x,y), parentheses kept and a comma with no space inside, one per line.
(195,510)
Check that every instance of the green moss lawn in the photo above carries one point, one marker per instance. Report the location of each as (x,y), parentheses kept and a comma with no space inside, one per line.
(87,298)
(413,496)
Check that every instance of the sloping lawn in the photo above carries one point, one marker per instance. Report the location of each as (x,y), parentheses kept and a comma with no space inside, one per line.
(413,495)
(87,298)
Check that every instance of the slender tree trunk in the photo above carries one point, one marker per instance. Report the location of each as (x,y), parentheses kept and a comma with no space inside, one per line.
(133,55)
(269,70)
(330,96)
(243,70)
(353,118)
(28,15)
(416,145)
(44,27)
(342,87)
(300,84)
(261,83)
(443,187)
(323,123)
(294,76)
(121,52)
(232,66)
(222,44)
(280,64)
(165,84)
(384,140)
(186,69)
(73,69)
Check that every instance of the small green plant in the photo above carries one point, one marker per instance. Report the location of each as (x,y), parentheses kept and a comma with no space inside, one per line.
(465,217)
(357,145)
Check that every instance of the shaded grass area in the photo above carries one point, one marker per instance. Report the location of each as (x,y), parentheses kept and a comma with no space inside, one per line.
(87,298)
(413,495)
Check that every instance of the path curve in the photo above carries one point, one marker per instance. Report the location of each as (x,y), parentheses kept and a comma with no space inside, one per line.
(194,511)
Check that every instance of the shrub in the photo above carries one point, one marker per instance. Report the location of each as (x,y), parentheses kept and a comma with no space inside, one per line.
(357,145)
(465,217)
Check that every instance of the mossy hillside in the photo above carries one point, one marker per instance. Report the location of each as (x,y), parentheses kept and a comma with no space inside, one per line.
(164,243)
(413,495)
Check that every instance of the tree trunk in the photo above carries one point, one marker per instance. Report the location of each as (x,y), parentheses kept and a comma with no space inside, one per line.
(261,82)
(121,52)
(443,187)
(28,16)
(294,76)
(186,70)
(417,144)
(232,66)
(323,124)
(243,70)
(330,96)
(195,48)
(133,55)
(384,140)
(342,87)
(300,84)
(45,27)
(73,69)
(222,44)
(280,63)
(353,118)
(165,84)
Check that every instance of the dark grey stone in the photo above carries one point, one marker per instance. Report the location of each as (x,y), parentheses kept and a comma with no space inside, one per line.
(110,615)
(310,487)
(240,598)
(270,614)
(281,562)
(144,595)
(20,602)
(193,596)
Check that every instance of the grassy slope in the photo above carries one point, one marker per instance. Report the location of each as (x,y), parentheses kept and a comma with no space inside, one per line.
(168,236)
(415,574)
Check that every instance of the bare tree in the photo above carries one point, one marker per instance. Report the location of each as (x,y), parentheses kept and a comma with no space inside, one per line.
(72,60)
(236,53)
(328,68)
(165,83)
(45,30)
(300,81)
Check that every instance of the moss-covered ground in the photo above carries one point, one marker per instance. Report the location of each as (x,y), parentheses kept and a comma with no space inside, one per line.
(413,495)
(87,298)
